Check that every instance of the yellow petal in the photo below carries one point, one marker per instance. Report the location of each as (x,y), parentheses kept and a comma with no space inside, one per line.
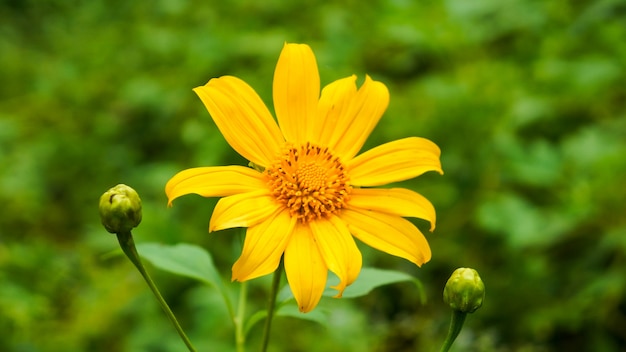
(216,181)
(305,268)
(394,161)
(264,246)
(242,118)
(243,210)
(296,91)
(394,201)
(338,250)
(364,110)
(331,109)
(388,233)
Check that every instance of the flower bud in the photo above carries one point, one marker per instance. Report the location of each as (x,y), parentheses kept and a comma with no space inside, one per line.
(464,290)
(120,209)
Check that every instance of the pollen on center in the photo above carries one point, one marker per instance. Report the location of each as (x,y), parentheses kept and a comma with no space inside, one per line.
(309,181)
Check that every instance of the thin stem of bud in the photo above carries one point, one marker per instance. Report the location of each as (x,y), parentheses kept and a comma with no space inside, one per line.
(128,246)
(456,324)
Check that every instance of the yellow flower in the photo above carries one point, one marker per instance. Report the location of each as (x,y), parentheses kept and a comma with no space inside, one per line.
(309,191)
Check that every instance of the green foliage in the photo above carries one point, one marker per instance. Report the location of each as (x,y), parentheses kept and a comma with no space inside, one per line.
(194,262)
(370,278)
(183,259)
(524,97)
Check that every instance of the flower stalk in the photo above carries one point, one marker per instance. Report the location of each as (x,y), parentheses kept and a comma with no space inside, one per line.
(128,246)
(240,336)
(456,325)
(271,305)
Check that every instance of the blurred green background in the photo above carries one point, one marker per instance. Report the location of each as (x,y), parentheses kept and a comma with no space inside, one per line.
(527,100)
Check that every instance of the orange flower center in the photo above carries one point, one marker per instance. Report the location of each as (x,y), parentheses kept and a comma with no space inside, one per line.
(309,181)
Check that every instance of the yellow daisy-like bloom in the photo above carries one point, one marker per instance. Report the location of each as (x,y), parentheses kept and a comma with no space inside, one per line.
(309,192)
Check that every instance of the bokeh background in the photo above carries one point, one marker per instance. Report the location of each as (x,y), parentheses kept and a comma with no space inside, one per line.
(527,100)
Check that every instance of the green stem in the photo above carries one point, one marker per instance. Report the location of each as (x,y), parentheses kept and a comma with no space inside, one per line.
(128,246)
(270,306)
(456,324)
(240,336)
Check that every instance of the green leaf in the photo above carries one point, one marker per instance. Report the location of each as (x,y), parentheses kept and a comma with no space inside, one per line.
(254,318)
(182,259)
(368,279)
(317,315)
(189,261)
(289,309)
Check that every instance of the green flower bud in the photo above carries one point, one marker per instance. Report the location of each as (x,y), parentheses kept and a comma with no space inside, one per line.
(464,290)
(120,209)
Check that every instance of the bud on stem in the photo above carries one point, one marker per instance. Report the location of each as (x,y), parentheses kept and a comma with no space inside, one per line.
(464,293)
(120,212)
(120,209)
(464,290)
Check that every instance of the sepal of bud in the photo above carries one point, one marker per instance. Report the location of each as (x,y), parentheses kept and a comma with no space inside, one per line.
(464,291)
(120,209)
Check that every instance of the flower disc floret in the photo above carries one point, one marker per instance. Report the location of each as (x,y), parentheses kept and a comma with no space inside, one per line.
(309,181)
